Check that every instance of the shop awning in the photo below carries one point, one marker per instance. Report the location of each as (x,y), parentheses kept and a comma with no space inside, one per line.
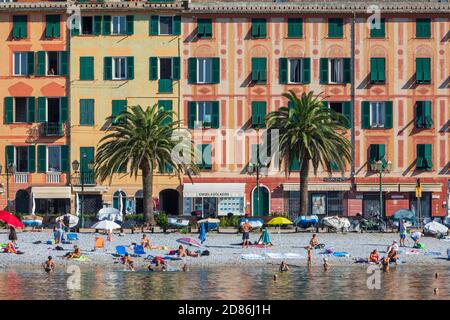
(214,190)
(426,187)
(318,186)
(375,187)
(51,192)
(96,189)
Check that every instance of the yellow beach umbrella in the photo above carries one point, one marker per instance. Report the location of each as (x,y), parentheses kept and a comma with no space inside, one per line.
(278,221)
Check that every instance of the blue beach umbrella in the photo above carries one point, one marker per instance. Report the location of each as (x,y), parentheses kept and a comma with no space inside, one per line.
(202,235)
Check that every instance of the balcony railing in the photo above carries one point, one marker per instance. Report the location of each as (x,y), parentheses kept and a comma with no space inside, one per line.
(20,178)
(53,177)
(52,129)
(88,179)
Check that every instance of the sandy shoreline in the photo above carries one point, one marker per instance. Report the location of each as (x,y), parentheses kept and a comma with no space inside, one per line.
(224,249)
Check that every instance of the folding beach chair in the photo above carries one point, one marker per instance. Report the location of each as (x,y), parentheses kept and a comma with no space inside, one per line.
(138,249)
(99,242)
(121,250)
(72,237)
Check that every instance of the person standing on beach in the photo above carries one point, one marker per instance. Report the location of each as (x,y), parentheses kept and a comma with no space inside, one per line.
(59,231)
(309,248)
(402,230)
(246,227)
(12,235)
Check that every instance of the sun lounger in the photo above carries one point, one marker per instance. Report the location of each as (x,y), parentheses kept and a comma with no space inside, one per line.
(72,237)
(138,249)
(121,250)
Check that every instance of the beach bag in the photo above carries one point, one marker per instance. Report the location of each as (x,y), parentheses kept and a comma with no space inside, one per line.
(59,248)
(205,253)
(420,246)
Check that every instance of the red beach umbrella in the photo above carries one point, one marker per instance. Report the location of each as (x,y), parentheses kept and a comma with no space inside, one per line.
(10,219)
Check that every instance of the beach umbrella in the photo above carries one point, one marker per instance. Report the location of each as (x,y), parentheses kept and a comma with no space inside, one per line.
(209,220)
(404,214)
(202,233)
(106,225)
(189,241)
(69,220)
(10,219)
(279,221)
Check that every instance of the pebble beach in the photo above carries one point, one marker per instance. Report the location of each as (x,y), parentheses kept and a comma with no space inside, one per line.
(224,249)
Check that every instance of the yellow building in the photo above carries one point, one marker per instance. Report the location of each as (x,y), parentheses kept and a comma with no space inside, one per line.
(122,55)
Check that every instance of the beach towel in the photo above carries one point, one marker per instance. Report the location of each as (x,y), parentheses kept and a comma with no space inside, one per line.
(252,256)
(72,237)
(341,254)
(432,253)
(288,255)
(81,259)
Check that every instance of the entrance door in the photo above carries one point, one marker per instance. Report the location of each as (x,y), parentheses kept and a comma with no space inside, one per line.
(260,202)
(87,156)
(425,205)
(209,207)
(168,201)
(371,206)
(22,202)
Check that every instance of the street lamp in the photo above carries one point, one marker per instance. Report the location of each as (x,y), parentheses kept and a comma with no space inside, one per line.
(381,168)
(81,172)
(10,170)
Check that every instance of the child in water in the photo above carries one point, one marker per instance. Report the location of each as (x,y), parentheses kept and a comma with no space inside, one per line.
(284,267)
(326,264)
(49,265)
(126,260)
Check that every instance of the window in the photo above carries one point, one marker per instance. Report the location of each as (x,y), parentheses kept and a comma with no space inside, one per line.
(119,68)
(119,25)
(54,159)
(377,114)
(204,28)
(203,70)
(165,25)
(86,112)
(22,159)
(423,118)
(378,32)
(21,63)
(295,28)
(165,68)
(19,27)
(259,114)
(294,71)
(343,108)
(259,28)
(203,114)
(52,27)
(118,106)
(53,112)
(259,74)
(335,28)
(424,159)
(87,25)
(423,28)
(205,152)
(52,63)
(423,70)
(86,68)
(335,70)
(377,152)
(21,110)
(377,70)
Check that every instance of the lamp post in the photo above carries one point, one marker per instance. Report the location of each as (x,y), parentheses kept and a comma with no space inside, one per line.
(76,168)
(9,170)
(381,168)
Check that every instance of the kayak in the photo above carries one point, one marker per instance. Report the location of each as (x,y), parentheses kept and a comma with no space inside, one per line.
(32,223)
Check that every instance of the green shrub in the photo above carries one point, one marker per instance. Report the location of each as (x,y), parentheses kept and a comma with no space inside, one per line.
(162,220)
(229,222)
(138,217)
(184,230)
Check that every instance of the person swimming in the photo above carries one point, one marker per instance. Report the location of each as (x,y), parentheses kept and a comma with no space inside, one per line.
(326,264)
(284,267)
(49,265)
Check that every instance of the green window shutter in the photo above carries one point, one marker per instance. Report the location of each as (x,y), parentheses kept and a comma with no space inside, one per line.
(97,25)
(176,68)
(176,25)
(377,70)
(295,165)
(283,70)
(53,23)
(49,26)
(9,152)
(255,71)
(154,25)
(347,70)
(40,63)
(428,118)
(418,119)
(31,158)
(378,33)
(65,167)
(130,68)
(192,70)
(259,73)
(42,158)
(428,156)
(295,28)
(381,70)
(373,70)
(20,27)
(31,117)
(347,113)
(420,155)
(106,25)
(388,117)
(426,67)
(326,104)
(258,114)
(215,70)
(423,28)
(306,70)
(107,68)
(263,28)
(381,152)
(64,114)
(84,161)
(86,68)
(30,57)
(365,115)
(153,72)
(166,105)
(335,27)
(42,106)
(118,106)
(255,114)
(87,112)
(259,29)
(334,166)
(323,70)
(130,25)
(64,59)
(208,28)
(165,86)
(204,28)
(373,153)
(192,114)
(263,69)
(215,118)
(8,110)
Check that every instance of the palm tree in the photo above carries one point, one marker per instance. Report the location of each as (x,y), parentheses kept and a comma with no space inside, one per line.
(143,141)
(312,134)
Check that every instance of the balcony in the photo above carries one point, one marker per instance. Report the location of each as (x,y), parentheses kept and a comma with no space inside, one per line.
(88,179)
(21,178)
(52,129)
(53,177)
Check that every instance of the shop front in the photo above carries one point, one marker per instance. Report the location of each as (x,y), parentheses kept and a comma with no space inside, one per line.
(214,199)
(50,200)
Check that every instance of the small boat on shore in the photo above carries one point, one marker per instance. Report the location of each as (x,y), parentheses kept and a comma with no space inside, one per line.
(178,222)
(32,221)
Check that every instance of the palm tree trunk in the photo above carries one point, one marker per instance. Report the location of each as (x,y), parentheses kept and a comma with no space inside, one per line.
(304,197)
(147,187)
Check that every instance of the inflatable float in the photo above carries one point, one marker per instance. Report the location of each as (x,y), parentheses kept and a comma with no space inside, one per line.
(306,221)
(32,221)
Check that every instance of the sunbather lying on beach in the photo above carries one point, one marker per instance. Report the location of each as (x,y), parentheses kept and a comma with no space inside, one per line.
(126,260)
(181,251)
(10,248)
(374,257)
(145,242)
(49,265)
(75,254)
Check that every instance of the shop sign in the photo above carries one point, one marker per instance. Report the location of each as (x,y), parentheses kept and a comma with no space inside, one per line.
(397,196)
(215,194)
(435,196)
(336,179)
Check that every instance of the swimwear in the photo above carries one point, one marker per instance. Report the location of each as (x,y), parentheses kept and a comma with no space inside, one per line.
(246,236)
